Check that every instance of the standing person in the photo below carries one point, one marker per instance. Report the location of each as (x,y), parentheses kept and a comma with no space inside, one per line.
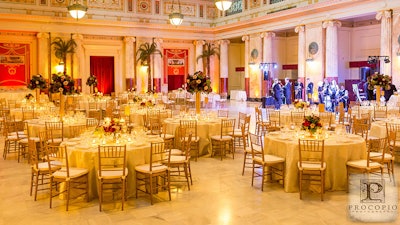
(334,90)
(343,96)
(310,90)
(389,92)
(298,89)
(287,90)
(277,93)
(321,92)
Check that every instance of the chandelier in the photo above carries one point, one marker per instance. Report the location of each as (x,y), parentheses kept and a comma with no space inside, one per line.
(76,10)
(223,4)
(176,17)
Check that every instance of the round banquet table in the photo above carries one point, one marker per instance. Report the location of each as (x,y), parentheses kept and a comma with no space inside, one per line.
(338,150)
(83,153)
(206,128)
(378,128)
(37,125)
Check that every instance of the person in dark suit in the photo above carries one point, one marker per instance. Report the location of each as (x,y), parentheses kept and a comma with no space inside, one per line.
(277,91)
(298,89)
(287,90)
(390,92)
(310,90)
(370,93)
(343,96)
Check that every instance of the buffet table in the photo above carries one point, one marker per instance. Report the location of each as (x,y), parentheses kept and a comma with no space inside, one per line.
(338,150)
(238,95)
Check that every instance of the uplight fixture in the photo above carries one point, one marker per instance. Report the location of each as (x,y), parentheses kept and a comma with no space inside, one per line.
(223,5)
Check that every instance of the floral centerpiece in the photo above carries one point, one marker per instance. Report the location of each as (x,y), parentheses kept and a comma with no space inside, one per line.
(379,80)
(91,81)
(300,104)
(62,83)
(148,103)
(198,82)
(110,126)
(98,95)
(311,124)
(37,81)
(29,97)
(137,98)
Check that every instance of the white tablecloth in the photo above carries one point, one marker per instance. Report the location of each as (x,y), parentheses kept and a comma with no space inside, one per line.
(238,95)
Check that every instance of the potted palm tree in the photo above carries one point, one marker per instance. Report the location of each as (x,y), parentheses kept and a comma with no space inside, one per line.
(143,54)
(62,48)
(208,51)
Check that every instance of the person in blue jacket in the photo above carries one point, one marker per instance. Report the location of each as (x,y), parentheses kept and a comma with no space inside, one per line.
(277,93)
(287,90)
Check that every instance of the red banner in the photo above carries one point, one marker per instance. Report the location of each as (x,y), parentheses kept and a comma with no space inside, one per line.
(176,63)
(14,64)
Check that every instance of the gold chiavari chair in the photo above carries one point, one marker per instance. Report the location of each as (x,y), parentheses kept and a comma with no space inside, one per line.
(113,172)
(223,143)
(311,164)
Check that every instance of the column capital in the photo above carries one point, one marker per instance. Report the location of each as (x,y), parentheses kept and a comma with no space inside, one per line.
(299,28)
(129,39)
(268,34)
(386,14)
(245,38)
(77,36)
(158,41)
(331,23)
(221,42)
(199,42)
(42,35)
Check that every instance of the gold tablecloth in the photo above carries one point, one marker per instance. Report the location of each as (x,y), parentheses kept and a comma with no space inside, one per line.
(205,129)
(83,153)
(338,150)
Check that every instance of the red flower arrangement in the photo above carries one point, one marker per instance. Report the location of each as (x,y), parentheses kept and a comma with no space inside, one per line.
(311,123)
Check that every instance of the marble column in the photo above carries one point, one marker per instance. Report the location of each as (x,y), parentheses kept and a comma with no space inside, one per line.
(78,67)
(130,62)
(223,62)
(301,50)
(331,49)
(43,54)
(199,51)
(157,66)
(385,17)
(246,40)
(267,58)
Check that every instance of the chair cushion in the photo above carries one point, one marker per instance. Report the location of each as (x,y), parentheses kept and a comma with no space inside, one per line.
(375,156)
(223,138)
(145,168)
(112,174)
(362,164)
(311,166)
(269,159)
(44,166)
(175,151)
(177,159)
(168,136)
(73,172)
(194,139)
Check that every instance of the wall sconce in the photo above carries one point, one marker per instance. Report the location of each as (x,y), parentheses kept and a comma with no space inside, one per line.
(252,65)
(375,59)
(268,65)
(60,67)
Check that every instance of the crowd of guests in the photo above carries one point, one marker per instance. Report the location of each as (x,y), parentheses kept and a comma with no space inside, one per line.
(329,93)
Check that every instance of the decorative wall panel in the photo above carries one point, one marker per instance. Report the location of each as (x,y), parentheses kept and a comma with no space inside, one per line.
(117,5)
(187,9)
(14,64)
(144,6)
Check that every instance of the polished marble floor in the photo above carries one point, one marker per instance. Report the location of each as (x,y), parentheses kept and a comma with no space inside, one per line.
(219,195)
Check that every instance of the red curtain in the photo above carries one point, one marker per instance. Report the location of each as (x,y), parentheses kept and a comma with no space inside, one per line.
(175,82)
(103,68)
(175,67)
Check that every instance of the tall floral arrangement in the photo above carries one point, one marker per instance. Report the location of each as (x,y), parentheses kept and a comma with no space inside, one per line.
(311,123)
(300,104)
(62,83)
(37,81)
(379,80)
(198,82)
(92,81)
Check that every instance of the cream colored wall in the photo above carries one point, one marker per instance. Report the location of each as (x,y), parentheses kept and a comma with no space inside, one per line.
(236,59)
(314,69)
(396,48)
(254,71)
(344,54)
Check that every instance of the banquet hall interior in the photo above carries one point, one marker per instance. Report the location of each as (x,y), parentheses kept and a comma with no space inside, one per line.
(212,105)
